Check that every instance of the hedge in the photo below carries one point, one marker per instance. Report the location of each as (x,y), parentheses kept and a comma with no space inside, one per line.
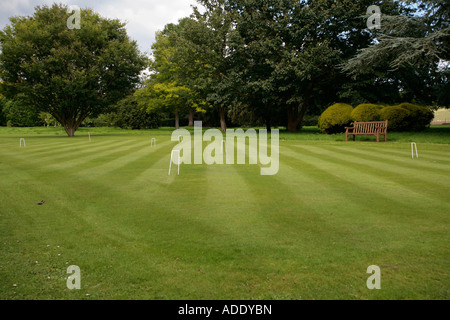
(398,118)
(335,118)
(366,112)
(419,117)
(402,117)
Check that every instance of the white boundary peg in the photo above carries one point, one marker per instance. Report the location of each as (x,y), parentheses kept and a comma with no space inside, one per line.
(414,146)
(24,143)
(171,159)
(151,143)
(89,136)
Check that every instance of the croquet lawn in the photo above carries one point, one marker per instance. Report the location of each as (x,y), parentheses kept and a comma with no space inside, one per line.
(223,231)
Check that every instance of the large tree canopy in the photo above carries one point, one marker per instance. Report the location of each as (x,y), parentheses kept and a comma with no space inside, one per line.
(411,51)
(69,73)
(418,38)
(178,74)
(286,53)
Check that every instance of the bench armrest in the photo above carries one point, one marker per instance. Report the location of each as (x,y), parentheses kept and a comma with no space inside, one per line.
(348,128)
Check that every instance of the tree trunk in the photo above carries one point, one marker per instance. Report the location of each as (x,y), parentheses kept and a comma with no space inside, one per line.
(70,130)
(292,123)
(223,123)
(191,117)
(71,125)
(295,117)
(177,120)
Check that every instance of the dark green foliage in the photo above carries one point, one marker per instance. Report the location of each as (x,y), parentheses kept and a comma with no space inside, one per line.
(407,56)
(335,118)
(244,116)
(71,74)
(3,102)
(285,54)
(366,112)
(103,120)
(419,117)
(397,117)
(18,114)
(310,120)
(129,115)
(126,114)
(168,122)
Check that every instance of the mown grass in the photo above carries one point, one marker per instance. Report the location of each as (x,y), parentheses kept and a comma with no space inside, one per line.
(223,231)
(439,134)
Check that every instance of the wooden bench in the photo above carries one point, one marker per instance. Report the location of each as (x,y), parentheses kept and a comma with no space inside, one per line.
(376,128)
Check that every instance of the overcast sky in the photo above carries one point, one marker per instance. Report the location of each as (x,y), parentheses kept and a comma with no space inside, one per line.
(143,17)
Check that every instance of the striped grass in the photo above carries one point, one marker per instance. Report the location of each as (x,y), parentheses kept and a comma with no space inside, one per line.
(222,231)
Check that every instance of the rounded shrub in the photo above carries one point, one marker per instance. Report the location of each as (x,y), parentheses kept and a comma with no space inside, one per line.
(335,118)
(366,112)
(398,117)
(419,117)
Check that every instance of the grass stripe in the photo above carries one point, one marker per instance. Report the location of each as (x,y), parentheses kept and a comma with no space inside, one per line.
(79,151)
(223,231)
(119,162)
(405,162)
(383,155)
(90,156)
(364,183)
(404,150)
(389,171)
(66,152)
(394,149)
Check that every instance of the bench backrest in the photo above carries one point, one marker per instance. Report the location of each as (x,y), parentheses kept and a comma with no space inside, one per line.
(370,127)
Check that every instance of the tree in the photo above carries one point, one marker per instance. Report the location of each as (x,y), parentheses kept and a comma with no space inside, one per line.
(411,52)
(19,114)
(69,73)
(48,119)
(217,85)
(3,102)
(128,114)
(188,61)
(287,52)
(163,97)
(176,84)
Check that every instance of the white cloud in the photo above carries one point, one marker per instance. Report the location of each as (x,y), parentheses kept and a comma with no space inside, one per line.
(15,6)
(143,17)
